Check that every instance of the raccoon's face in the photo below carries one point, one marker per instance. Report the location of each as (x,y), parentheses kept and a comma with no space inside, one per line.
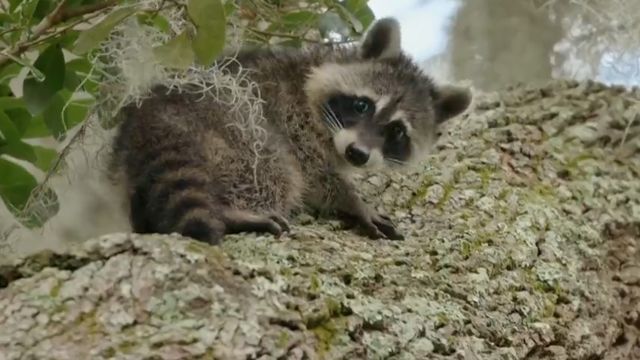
(379,107)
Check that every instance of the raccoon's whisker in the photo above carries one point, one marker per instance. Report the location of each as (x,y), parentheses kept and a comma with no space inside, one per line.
(333,116)
(327,119)
(331,123)
(330,126)
(396,161)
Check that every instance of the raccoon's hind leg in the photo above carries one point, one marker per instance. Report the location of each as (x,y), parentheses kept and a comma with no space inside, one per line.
(238,221)
(173,195)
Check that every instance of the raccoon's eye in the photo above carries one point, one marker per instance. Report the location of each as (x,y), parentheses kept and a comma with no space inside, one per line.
(361,106)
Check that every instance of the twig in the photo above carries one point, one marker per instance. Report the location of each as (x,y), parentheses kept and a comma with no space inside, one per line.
(50,20)
(284,35)
(43,185)
(9,30)
(62,30)
(86,9)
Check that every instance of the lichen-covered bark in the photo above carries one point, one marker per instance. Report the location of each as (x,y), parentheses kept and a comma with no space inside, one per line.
(523,241)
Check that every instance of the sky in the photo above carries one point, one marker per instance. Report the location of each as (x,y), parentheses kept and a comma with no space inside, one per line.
(423,23)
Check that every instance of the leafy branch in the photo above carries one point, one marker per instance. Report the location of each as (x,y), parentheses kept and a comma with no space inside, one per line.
(58,16)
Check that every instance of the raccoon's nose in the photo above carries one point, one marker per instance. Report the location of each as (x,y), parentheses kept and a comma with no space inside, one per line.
(356,156)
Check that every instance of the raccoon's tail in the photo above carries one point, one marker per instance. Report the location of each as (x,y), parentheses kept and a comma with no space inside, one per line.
(172,193)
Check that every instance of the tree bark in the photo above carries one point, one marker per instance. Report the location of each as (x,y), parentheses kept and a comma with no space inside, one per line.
(523,242)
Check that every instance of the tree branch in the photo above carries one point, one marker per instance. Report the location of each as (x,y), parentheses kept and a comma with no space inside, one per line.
(86,9)
(51,19)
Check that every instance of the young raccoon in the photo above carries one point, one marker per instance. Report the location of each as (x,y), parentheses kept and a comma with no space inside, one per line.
(328,111)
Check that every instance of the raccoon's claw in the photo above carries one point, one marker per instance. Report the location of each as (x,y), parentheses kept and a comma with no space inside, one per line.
(384,224)
(375,226)
(239,221)
(371,230)
(281,221)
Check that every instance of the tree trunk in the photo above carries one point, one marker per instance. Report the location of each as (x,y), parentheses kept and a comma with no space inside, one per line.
(496,43)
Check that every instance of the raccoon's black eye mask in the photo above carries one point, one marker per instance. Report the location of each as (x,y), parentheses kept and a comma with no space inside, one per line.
(351,109)
(397,144)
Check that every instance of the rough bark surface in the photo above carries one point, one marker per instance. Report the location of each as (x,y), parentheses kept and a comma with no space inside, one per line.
(523,241)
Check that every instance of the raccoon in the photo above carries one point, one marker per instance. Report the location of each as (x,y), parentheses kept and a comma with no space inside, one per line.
(329,110)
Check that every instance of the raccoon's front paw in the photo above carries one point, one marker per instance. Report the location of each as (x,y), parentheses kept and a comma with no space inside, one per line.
(374,225)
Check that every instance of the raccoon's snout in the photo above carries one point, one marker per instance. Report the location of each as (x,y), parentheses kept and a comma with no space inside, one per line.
(355,155)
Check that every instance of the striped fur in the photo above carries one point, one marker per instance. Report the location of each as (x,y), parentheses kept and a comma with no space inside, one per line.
(189,172)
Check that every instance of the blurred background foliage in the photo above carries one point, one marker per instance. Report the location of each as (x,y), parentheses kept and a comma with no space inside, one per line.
(48,85)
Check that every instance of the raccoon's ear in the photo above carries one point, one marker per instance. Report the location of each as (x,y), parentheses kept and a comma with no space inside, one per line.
(450,101)
(382,40)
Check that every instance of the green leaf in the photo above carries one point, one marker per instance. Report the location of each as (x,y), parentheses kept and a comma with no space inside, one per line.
(347,15)
(54,122)
(77,112)
(36,128)
(8,129)
(177,53)
(77,71)
(229,8)
(44,8)
(81,65)
(38,94)
(54,118)
(299,18)
(27,8)
(6,19)
(16,184)
(209,19)
(35,72)
(9,72)
(13,5)
(331,22)
(366,16)
(294,21)
(45,157)
(354,5)
(20,118)
(158,21)
(69,39)
(361,11)
(19,150)
(72,80)
(91,38)
(10,102)
(12,145)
